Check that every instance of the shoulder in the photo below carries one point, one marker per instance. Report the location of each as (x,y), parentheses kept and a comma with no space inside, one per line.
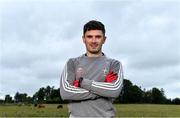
(75,60)
(113,62)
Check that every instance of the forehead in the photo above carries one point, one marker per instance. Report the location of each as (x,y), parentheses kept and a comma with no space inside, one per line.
(94,32)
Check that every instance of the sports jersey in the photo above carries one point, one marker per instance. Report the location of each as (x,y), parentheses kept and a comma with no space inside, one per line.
(95,96)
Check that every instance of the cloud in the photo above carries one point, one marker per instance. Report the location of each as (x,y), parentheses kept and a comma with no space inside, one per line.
(38,37)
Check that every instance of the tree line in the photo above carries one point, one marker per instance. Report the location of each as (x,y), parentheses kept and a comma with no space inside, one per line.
(134,94)
(129,94)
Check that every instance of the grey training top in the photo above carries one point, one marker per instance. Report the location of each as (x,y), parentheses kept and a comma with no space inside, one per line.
(95,97)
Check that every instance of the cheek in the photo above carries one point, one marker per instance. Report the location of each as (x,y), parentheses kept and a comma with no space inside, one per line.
(101,42)
(87,42)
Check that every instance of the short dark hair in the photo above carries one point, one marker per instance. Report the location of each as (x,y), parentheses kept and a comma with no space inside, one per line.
(94,25)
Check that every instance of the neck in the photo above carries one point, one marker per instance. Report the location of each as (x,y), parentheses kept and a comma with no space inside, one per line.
(94,55)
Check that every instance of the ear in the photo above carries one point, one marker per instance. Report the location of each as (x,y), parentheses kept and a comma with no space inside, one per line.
(83,38)
(104,39)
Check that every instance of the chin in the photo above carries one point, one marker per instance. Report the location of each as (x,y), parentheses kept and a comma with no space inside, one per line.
(94,51)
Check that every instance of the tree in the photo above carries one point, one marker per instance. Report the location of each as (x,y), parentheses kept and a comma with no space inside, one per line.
(1,101)
(23,97)
(55,95)
(35,98)
(168,101)
(20,97)
(176,101)
(125,91)
(130,93)
(41,95)
(8,99)
(136,94)
(157,96)
(48,91)
(29,99)
(164,99)
(147,97)
(16,97)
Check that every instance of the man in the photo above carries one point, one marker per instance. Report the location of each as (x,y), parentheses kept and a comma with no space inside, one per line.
(91,81)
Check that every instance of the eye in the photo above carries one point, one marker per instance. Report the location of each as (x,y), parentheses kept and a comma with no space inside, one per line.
(89,36)
(98,36)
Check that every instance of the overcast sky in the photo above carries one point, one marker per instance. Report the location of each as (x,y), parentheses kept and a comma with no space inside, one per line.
(38,36)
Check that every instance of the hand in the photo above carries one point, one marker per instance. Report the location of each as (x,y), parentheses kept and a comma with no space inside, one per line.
(111,77)
(77,82)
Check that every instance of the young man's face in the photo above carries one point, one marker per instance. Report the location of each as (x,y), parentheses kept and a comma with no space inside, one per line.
(94,39)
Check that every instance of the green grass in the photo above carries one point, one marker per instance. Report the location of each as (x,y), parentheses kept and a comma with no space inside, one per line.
(123,110)
(147,110)
(31,111)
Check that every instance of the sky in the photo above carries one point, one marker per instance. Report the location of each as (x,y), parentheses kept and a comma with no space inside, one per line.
(37,37)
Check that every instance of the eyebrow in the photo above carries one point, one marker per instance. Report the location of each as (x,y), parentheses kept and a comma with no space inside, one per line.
(95,35)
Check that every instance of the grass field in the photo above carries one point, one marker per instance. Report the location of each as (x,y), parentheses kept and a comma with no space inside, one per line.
(123,110)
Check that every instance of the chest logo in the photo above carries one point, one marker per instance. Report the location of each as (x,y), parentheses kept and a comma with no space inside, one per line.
(79,72)
(105,71)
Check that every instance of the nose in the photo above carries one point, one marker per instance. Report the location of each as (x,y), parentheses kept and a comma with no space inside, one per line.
(94,39)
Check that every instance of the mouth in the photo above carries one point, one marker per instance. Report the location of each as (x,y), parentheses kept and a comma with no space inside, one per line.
(95,45)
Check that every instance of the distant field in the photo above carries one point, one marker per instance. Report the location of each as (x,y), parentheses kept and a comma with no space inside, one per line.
(147,110)
(123,110)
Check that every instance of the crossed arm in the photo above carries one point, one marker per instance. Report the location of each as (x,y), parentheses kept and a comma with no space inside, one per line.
(89,89)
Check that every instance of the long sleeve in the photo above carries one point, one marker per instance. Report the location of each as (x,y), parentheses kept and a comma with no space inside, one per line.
(67,90)
(105,89)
